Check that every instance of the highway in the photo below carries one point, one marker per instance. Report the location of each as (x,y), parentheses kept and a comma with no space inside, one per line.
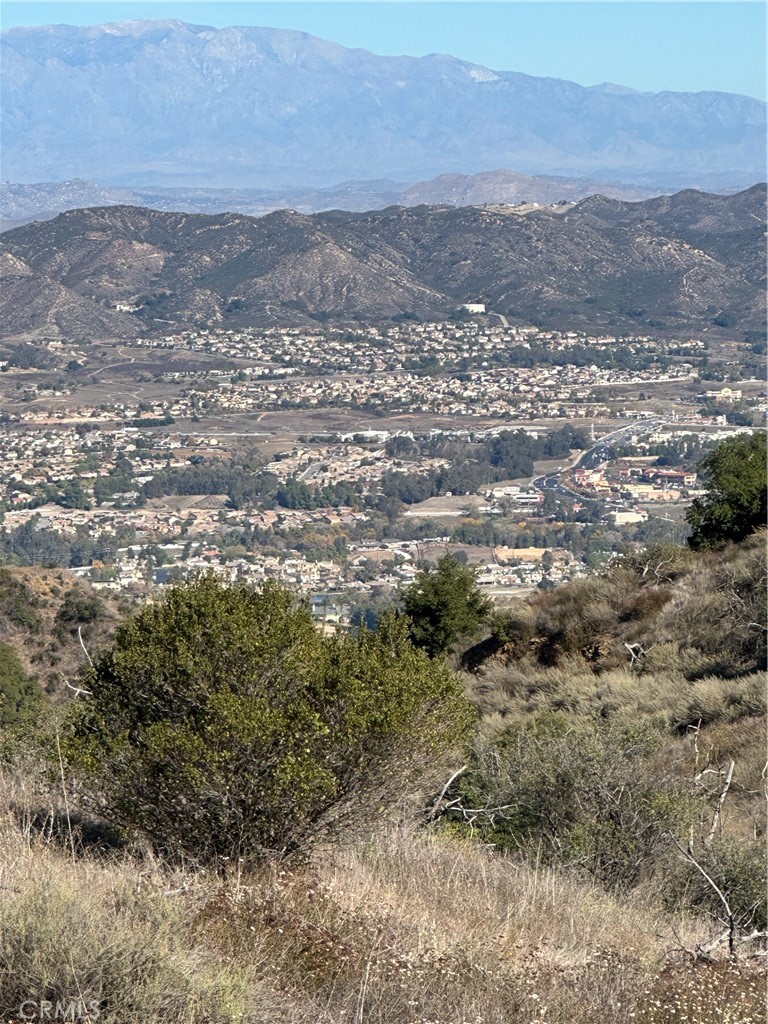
(593,457)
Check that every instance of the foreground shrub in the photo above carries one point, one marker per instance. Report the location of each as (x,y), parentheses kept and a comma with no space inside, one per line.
(737,867)
(223,724)
(600,796)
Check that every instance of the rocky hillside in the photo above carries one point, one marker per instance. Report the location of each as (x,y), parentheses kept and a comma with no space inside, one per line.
(41,611)
(662,609)
(682,262)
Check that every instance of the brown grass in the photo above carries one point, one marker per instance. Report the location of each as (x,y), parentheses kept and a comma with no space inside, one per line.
(108,934)
(521,689)
(408,928)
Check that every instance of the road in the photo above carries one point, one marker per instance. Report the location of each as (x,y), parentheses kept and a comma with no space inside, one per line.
(309,472)
(592,457)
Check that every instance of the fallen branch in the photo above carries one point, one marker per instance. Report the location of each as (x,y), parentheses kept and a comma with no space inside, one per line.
(436,805)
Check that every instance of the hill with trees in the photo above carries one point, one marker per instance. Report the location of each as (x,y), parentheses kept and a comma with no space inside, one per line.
(48,621)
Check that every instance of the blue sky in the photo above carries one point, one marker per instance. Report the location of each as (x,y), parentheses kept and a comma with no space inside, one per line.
(647,45)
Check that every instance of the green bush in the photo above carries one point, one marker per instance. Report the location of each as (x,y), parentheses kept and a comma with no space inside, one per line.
(656,564)
(18,605)
(223,724)
(78,610)
(21,698)
(514,628)
(596,795)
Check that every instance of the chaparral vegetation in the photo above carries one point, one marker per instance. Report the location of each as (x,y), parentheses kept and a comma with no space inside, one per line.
(548,812)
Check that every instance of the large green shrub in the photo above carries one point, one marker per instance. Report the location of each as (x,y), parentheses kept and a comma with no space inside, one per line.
(18,604)
(78,609)
(222,723)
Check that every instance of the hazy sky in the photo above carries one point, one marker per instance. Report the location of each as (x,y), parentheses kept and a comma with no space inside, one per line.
(647,45)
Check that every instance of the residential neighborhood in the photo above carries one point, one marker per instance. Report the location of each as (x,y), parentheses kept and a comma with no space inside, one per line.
(337,461)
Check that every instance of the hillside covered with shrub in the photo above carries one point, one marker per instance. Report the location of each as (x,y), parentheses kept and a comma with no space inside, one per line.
(550,813)
(44,615)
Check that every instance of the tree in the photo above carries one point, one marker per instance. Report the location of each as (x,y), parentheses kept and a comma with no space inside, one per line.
(445,605)
(78,610)
(21,698)
(222,723)
(734,474)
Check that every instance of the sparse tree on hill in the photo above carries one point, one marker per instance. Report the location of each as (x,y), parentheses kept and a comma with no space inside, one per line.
(445,605)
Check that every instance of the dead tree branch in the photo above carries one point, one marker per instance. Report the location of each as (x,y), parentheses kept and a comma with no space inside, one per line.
(687,855)
(436,805)
(637,652)
(77,690)
(719,808)
(82,644)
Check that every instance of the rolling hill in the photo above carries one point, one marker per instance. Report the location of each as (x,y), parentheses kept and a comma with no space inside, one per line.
(679,262)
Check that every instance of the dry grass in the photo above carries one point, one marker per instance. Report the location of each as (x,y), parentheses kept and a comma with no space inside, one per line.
(107,934)
(409,928)
(724,993)
(466,935)
(518,690)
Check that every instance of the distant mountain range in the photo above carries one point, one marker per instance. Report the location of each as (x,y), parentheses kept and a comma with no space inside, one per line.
(163,103)
(675,263)
(20,204)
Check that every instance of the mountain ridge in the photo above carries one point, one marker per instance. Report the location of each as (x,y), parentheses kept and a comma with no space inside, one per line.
(164,103)
(22,203)
(682,262)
